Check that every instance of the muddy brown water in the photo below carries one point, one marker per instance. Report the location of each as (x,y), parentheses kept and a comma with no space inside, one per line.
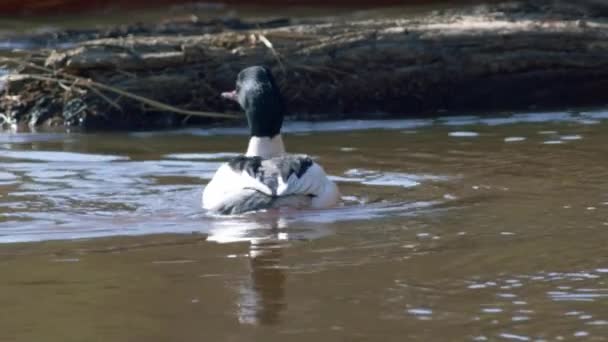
(460,229)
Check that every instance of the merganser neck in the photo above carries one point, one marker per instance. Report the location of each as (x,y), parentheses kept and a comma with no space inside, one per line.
(265,147)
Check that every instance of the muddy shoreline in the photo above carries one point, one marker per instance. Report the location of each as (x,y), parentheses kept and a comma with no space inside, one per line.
(480,58)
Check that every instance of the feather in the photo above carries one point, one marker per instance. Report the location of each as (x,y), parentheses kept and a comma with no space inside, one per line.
(253,183)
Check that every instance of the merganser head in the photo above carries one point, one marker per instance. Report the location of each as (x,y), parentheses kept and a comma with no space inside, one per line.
(257,93)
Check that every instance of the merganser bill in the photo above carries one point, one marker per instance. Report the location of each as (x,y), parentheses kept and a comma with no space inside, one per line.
(266,177)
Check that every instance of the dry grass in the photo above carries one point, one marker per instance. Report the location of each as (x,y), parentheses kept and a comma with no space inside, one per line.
(78,84)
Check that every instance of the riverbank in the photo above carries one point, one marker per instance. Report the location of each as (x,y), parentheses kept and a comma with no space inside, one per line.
(479,58)
(55,7)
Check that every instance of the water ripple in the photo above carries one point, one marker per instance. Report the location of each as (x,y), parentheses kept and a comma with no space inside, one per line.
(378,178)
(52,156)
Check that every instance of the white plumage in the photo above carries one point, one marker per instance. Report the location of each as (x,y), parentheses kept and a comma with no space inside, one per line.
(266,177)
(274,184)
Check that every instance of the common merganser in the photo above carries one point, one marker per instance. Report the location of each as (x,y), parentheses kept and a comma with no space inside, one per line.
(265,176)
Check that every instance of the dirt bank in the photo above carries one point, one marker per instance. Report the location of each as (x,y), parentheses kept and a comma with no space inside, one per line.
(508,56)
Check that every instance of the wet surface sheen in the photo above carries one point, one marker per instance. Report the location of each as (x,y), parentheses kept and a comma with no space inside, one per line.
(451,229)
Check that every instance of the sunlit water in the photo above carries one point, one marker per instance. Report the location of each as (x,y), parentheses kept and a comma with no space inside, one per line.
(450,229)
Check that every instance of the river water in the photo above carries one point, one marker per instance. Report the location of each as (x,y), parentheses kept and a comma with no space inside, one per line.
(451,229)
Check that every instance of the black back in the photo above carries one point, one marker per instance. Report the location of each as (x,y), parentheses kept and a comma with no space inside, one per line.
(260,98)
(268,170)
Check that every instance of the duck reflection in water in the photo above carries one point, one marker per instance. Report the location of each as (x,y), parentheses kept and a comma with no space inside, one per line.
(261,294)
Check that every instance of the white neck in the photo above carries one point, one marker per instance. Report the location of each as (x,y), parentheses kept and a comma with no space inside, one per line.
(265,147)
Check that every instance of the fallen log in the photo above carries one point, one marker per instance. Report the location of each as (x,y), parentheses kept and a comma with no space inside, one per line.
(36,7)
(489,58)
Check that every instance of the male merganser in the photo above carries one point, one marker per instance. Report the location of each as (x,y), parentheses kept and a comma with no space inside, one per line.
(266,177)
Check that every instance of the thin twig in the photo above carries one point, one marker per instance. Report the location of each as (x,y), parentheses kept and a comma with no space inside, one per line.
(90,84)
(107,99)
(269,45)
(6,120)
(161,105)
